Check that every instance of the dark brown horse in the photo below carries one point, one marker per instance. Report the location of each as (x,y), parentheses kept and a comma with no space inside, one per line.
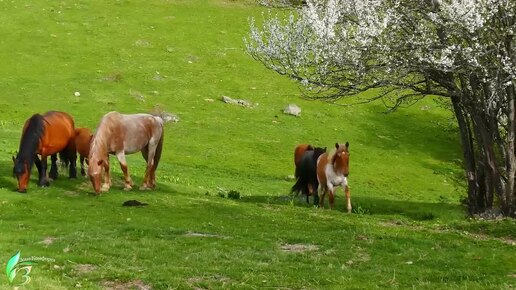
(120,134)
(306,173)
(332,171)
(45,135)
(83,138)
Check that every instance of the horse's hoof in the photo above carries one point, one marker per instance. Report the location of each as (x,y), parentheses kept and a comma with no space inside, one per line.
(145,187)
(44,184)
(104,188)
(128,188)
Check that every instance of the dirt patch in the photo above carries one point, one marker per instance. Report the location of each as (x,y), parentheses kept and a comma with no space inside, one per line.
(299,248)
(508,241)
(391,223)
(203,235)
(195,281)
(71,193)
(48,241)
(81,269)
(118,285)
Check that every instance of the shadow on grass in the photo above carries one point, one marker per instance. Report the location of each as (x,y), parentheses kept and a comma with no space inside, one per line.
(404,131)
(417,211)
(66,184)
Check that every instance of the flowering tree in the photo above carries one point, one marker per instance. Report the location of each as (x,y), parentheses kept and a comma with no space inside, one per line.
(463,50)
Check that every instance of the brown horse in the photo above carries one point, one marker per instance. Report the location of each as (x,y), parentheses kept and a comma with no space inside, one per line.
(299,151)
(83,138)
(332,171)
(45,135)
(120,134)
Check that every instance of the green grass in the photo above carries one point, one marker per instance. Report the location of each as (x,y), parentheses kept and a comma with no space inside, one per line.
(408,228)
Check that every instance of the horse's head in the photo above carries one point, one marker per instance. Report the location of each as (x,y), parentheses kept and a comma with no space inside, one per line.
(341,158)
(95,171)
(22,172)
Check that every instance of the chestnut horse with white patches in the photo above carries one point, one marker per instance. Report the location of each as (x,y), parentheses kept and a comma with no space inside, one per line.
(332,171)
(121,134)
(45,135)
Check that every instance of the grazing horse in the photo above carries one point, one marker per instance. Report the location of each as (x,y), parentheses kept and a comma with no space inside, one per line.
(306,174)
(45,135)
(83,138)
(120,134)
(332,171)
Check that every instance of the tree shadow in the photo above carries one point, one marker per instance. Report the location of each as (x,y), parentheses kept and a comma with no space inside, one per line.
(417,211)
(407,131)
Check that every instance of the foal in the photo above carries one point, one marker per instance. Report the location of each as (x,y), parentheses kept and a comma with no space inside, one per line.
(83,138)
(332,171)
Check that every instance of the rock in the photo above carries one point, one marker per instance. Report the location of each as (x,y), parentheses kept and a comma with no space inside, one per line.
(292,109)
(243,103)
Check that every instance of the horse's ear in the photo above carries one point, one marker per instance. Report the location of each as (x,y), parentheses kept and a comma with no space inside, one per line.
(347,144)
(14,159)
(337,145)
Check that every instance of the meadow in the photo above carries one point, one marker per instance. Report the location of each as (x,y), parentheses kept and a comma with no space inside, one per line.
(408,228)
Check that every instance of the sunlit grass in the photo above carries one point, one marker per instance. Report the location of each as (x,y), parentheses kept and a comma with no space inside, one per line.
(408,228)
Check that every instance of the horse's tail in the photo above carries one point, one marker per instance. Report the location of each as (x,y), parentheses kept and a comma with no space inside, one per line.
(305,174)
(299,187)
(159,148)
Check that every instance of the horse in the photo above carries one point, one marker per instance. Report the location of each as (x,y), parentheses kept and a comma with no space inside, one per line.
(83,138)
(332,171)
(299,151)
(306,174)
(121,134)
(46,135)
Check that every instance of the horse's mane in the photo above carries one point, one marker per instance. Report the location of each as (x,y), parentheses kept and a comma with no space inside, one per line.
(30,141)
(98,140)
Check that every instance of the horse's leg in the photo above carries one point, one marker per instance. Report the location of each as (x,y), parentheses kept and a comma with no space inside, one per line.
(71,154)
(348,197)
(81,159)
(316,196)
(123,164)
(331,197)
(107,178)
(322,194)
(53,167)
(309,192)
(148,183)
(43,181)
(37,162)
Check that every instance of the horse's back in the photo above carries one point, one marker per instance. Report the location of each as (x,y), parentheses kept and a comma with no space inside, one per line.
(82,141)
(59,131)
(299,151)
(130,132)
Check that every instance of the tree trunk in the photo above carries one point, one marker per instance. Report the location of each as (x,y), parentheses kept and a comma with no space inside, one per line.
(474,196)
(508,200)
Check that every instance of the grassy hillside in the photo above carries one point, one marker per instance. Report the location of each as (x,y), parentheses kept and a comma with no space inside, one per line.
(408,228)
